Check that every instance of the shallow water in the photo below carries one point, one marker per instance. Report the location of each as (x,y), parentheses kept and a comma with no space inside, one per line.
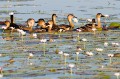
(44,9)
(51,66)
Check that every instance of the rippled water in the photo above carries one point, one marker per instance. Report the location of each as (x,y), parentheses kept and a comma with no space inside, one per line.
(36,9)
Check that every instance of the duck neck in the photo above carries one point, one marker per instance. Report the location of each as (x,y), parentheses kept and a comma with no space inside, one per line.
(99,23)
(70,23)
(11,18)
(54,20)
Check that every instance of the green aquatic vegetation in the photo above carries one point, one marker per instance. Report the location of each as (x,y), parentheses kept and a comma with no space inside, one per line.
(113,24)
(38,68)
(102,75)
(57,51)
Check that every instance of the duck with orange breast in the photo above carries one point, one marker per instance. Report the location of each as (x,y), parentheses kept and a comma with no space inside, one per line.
(89,27)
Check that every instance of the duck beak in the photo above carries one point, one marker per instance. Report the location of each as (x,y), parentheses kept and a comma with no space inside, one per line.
(75,17)
(36,21)
(102,15)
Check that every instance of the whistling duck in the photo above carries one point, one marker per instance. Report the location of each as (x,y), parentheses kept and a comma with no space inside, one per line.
(54,26)
(10,24)
(89,27)
(29,25)
(71,24)
(42,26)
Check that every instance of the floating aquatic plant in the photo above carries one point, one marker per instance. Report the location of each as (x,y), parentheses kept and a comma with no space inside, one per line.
(114,24)
(61,54)
(117,75)
(110,55)
(71,66)
(84,40)
(65,57)
(44,44)
(77,53)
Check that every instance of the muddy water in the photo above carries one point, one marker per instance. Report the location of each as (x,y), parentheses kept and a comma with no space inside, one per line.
(52,66)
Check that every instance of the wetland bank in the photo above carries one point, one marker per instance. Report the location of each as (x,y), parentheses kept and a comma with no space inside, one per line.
(58,57)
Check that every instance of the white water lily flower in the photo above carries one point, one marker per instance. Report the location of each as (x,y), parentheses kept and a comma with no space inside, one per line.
(61,52)
(115,44)
(75,20)
(34,35)
(31,64)
(77,53)
(99,49)
(105,44)
(1,75)
(21,32)
(89,53)
(71,65)
(102,66)
(31,55)
(84,39)
(0,55)
(117,74)
(43,40)
(66,54)
(94,29)
(79,30)
(106,16)
(4,27)
(110,55)
(89,20)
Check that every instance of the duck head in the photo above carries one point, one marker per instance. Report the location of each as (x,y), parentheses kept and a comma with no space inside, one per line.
(40,22)
(30,22)
(70,16)
(99,15)
(54,16)
(7,23)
